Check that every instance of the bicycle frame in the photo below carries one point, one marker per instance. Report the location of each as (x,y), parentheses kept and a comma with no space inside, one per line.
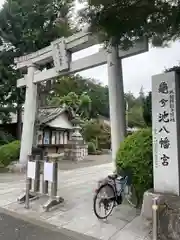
(123,183)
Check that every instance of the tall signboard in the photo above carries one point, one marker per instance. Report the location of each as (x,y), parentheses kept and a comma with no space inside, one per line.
(166,132)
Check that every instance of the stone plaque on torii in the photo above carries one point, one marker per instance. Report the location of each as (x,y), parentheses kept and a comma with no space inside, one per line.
(60,52)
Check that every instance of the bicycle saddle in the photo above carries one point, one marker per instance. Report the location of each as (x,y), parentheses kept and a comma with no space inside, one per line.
(113,176)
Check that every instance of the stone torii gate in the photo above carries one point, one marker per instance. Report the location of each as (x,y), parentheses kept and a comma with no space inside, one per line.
(60,52)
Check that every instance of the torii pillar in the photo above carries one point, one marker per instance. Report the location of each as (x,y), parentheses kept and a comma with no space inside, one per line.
(116,100)
(29,115)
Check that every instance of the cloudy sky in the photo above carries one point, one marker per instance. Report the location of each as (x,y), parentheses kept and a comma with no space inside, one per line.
(137,70)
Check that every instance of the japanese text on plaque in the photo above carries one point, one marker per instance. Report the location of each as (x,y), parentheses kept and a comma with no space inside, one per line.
(165,116)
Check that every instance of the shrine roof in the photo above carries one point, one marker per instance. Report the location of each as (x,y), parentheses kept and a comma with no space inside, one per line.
(48,114)
(45,115)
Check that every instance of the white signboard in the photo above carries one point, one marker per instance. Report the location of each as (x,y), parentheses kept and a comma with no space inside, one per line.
(165,142)
(31,169)
(48,172)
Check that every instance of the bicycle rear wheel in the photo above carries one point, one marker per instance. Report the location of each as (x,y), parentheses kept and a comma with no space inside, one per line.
(104,199)
(131,196)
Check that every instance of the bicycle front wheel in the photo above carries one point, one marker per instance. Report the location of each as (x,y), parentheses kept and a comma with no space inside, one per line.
(104,201)
(131,196)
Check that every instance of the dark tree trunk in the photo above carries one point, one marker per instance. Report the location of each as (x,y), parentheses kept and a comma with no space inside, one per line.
(19,121)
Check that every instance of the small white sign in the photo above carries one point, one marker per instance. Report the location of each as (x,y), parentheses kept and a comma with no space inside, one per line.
(165,133)
(31,169)
(48,172)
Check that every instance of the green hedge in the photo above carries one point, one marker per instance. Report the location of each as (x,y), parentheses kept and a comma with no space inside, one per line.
(135,155)
(98,133)
(9,153)
(91,148)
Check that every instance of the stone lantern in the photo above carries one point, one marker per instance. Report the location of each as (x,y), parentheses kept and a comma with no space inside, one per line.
(77,149)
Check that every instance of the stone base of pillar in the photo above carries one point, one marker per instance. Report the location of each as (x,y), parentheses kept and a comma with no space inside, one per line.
(146,210)
(16,167)
(168,214)
(76,152)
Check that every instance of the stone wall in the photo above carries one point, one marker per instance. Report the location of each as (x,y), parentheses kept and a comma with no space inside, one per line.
(169,219)
(168,214)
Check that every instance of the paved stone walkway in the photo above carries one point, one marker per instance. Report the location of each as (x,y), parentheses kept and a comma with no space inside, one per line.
(77,188)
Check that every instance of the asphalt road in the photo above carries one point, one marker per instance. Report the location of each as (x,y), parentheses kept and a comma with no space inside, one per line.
(13,228)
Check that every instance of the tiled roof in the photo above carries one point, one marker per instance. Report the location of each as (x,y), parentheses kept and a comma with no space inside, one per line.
(48,114)
(45,115)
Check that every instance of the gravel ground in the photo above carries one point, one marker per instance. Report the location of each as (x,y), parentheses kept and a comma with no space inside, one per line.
(15,228)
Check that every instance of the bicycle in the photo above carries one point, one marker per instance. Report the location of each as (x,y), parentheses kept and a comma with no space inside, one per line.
(114,188)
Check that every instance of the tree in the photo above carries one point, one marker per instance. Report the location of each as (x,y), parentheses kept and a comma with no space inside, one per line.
(98,133)
(32,25)
(28,26)
(75,83)
(99,98)
(135,117)
(128,21)
(147,110)
(80,105)
(135,109)
(130,100)
(141,95)
(85,105)
(174,68)
(8,90)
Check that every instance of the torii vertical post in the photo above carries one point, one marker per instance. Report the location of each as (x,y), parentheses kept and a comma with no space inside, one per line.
(29,116)
(116,99)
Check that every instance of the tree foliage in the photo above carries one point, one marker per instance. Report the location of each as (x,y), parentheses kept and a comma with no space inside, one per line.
(9,94)
(80,105)
(129,20)
(32,25)
(134,113)
(174,68)
(9,153)
(27,26)
(135,117)
(99,96)
(91,148)
(98,133)
(147,109)
(96,92)
(5,137)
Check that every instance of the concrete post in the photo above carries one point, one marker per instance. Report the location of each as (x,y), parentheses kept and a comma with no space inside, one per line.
(29,116)
(116,99)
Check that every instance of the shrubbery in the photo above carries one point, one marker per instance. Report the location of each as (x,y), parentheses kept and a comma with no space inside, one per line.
(9,153)
(135,155)
(91,148)
(98,133)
